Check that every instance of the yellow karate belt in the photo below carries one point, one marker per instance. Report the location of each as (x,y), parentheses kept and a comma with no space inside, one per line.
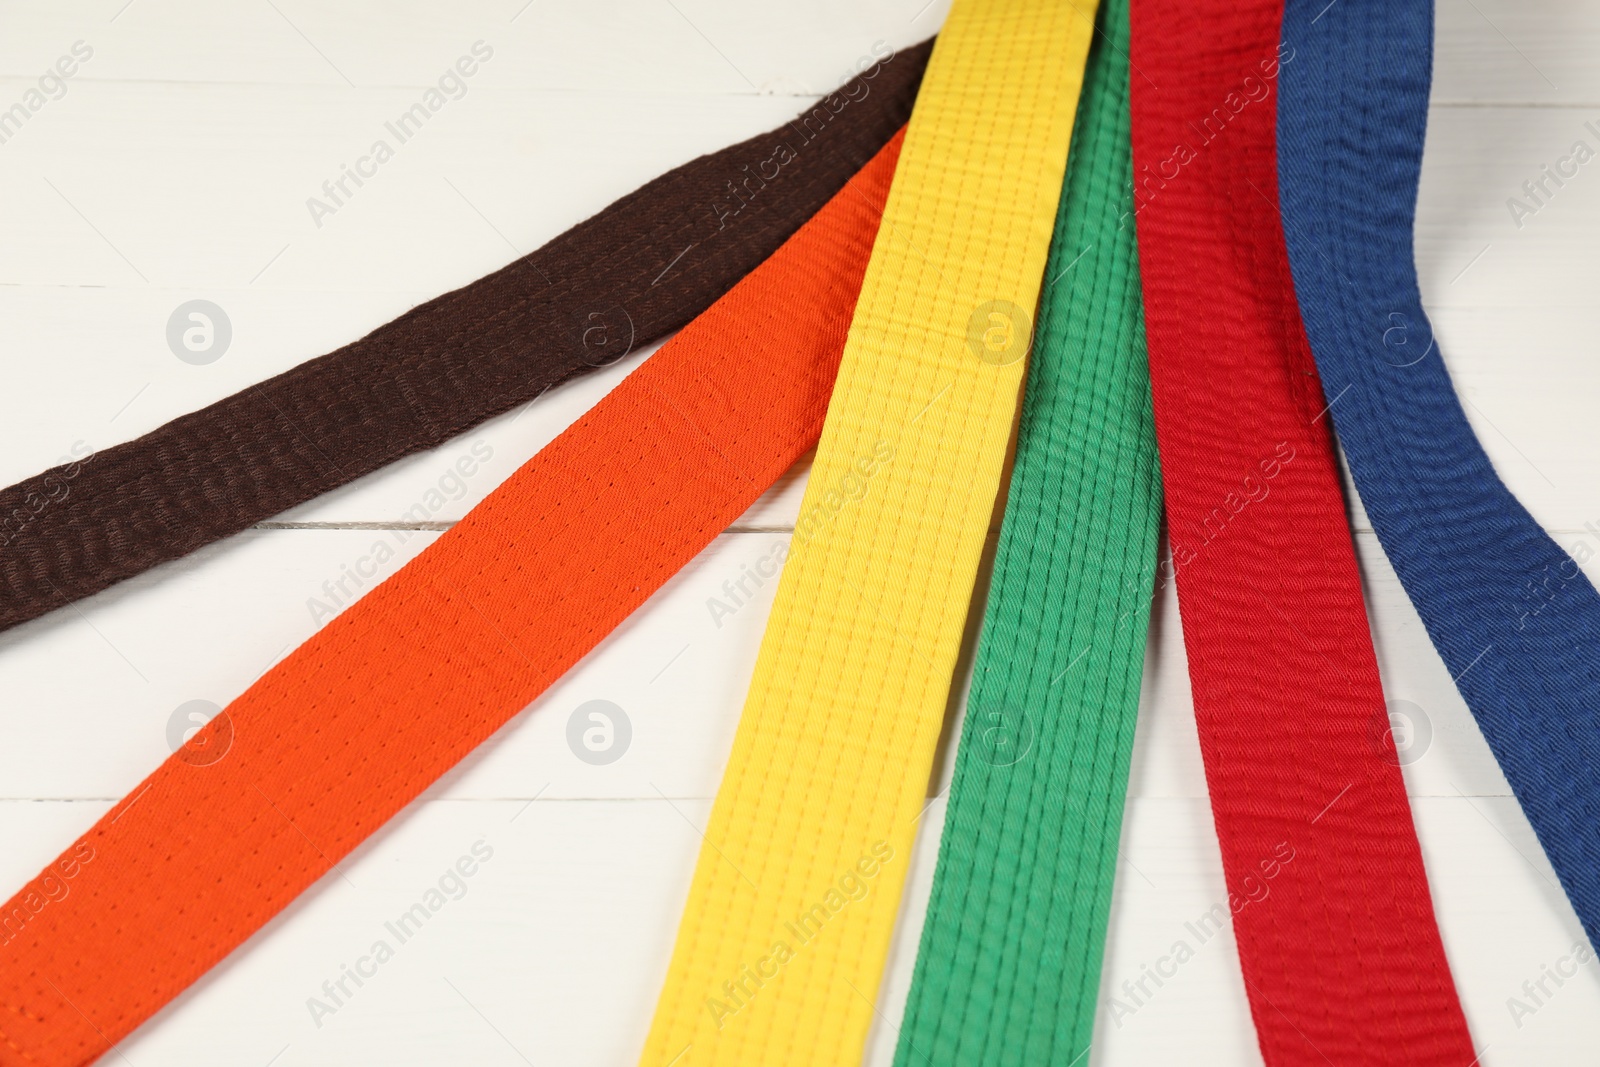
(794,898)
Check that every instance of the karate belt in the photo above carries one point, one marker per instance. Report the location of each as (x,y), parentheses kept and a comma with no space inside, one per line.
(794,898)
(333,741)
(1513,616)
(1009,967)
(1329,902)
(627,277)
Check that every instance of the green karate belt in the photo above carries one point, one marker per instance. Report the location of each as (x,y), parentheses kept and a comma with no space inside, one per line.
(1009,966)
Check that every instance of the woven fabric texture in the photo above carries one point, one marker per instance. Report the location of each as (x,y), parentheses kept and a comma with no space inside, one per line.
(1008,972)
(352,725)
(1328,898)
(630,275)
(1513,615)
(784,936)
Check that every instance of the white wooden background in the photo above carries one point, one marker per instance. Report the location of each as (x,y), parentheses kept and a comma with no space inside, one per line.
(176,166)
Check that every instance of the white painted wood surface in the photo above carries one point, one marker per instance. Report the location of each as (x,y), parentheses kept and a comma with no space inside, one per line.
(176,166)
